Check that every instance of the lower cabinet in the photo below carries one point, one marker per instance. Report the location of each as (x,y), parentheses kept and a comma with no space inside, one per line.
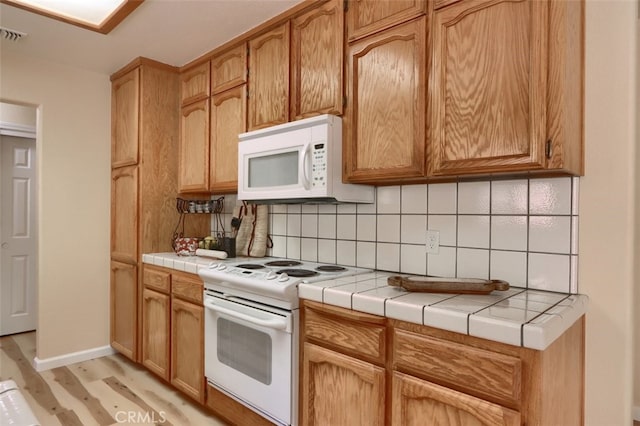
(124,289)
(173,329)
(361,369)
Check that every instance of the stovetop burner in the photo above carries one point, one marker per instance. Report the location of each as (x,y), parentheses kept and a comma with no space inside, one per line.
(250,266)
(330,268)
(301,273)
(283,263)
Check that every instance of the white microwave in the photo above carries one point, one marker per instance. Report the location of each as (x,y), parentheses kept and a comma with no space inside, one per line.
(297,162)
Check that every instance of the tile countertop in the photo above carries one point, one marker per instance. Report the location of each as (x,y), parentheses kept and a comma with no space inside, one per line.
(520,317)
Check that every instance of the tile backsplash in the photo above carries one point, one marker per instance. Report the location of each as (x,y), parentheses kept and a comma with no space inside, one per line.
(523,231)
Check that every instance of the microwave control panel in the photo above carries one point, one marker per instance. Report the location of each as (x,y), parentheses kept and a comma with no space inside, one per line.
(319,165)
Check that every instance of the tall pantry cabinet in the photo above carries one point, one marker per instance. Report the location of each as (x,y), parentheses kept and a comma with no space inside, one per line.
(144,170)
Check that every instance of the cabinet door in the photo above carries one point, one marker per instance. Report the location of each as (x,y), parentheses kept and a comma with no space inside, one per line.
(488,87)
(155,332)
(124,214)
(369,16)
(194,84)
(385,127)
(187,348)
(269,78)
(317,61)
(194,148)
(229,69)
(340,390)
(125,109)
(418,402)
(124,290)
(228,119)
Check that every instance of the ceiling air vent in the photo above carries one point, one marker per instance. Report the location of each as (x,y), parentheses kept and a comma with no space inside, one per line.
(12,35)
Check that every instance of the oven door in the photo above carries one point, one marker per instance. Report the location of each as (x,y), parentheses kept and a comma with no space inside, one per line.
(248,354)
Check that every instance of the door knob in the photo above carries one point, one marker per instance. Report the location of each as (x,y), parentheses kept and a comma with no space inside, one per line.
(5,245)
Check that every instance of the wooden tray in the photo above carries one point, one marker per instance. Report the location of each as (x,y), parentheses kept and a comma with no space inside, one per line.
(447,285)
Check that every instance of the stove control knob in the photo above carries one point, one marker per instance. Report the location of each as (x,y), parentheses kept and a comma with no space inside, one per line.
(283,277)
(271,275)
(222,267)
(213,265)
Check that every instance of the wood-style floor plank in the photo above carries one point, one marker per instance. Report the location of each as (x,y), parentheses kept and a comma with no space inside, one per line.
(104,391)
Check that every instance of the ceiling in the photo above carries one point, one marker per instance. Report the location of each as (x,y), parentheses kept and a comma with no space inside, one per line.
(170,31)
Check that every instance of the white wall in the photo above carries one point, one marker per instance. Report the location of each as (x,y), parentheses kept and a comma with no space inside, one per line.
(73,147)
(607,214)
(18,114)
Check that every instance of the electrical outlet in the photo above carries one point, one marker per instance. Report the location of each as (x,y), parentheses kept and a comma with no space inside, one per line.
(433,241)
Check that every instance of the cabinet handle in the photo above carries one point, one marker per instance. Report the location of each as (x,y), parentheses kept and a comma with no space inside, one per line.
(547,149)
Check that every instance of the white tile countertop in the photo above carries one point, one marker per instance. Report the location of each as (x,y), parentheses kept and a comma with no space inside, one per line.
(189,264)
(520,317)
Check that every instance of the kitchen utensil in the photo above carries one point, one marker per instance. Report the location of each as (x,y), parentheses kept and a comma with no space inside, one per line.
(447,285)
(211,253)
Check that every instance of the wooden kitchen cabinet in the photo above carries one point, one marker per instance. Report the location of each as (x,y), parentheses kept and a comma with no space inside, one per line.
(228,120)
(229,69)
(124,309)
(194,84)
(125,107)
(268,102)
(411,374)
(143,190)
(385,122)
(173,329)
(506,87)
(194,147)
(366,17)
(317,63)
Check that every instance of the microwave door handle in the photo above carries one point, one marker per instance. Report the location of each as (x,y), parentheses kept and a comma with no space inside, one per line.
(304,177)
(276,323)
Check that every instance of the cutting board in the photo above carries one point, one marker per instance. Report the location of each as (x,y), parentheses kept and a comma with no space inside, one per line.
(447,285)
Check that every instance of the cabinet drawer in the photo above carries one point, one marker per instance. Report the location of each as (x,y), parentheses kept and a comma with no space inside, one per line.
(188,287)
(352,332)
(156,279)
(490,375)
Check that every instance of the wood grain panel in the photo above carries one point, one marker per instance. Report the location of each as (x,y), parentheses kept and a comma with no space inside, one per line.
(228,120)
(194,84)
(187,286)
(357,394)
(187,348)
(418,402)
(486,374)
(317,64)
(229,69)
(157,279)
(369,16)
(124,309)
(488,87)
(360,338)
(124,214)
(156,313)
(194,148)
(269,78)
(232,411)
(385,126)
(124,119)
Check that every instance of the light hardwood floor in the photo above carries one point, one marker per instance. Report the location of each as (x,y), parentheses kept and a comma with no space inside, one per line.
(104,391)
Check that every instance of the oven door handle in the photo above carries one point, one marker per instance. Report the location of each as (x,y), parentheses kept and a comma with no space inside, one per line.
(275,323)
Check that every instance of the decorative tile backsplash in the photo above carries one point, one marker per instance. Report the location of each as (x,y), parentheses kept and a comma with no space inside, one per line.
(523,231)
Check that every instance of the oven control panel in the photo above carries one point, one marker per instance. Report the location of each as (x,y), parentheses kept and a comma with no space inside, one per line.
(319,165)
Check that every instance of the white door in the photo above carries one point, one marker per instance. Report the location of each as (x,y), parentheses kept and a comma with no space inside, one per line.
(18,235)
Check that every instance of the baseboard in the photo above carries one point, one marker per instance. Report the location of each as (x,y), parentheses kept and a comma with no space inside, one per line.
(72,358)
(636,414)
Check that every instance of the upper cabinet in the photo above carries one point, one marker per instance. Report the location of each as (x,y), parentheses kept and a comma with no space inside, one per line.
(268,102)
(499,88)
(194,147)
(194,84)
(125,92)
(229,69)
(385,120)
(369,16)
(317,61)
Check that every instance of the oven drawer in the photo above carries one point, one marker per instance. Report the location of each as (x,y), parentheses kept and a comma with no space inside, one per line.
(156,279)
(188,287)
(351,332)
